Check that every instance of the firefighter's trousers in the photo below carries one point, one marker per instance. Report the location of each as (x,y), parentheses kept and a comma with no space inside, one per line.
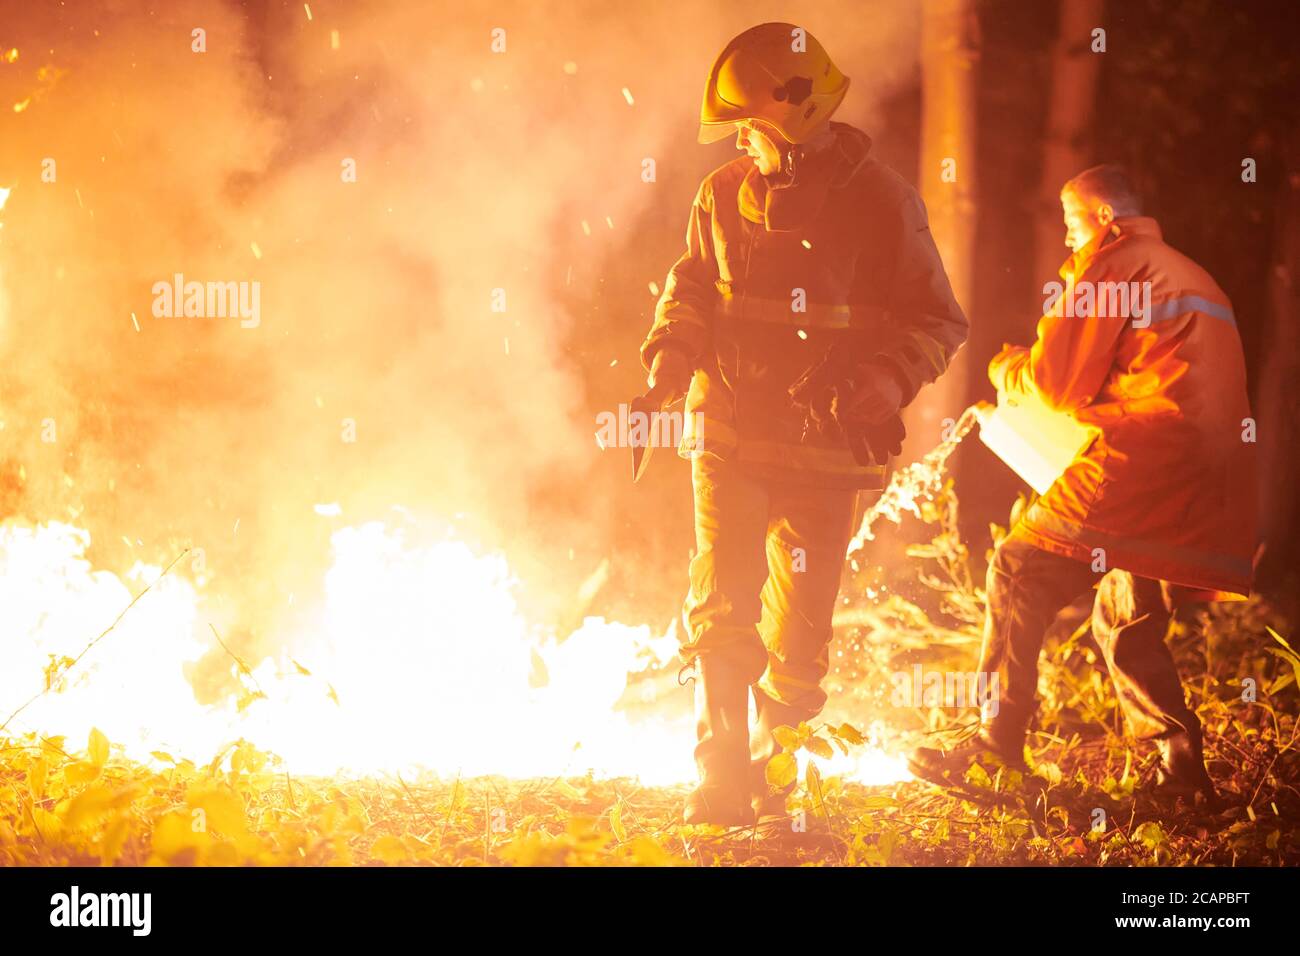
(764,579)
(1027,588)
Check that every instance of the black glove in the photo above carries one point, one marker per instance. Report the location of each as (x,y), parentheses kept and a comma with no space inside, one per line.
(876,444)
(826,389)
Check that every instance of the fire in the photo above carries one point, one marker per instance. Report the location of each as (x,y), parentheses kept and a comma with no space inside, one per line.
(417,658)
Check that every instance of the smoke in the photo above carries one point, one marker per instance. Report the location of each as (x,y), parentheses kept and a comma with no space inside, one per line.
(475,172)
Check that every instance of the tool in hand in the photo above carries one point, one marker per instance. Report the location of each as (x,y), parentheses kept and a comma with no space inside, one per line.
(656,400)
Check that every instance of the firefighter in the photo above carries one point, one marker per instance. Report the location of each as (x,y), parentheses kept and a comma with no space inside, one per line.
(1162,499)
(809,307)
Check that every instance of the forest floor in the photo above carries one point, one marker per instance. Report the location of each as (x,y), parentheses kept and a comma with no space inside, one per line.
(87,809)
(1088,802)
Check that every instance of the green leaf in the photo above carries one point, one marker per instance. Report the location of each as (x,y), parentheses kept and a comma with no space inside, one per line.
(82,771)
(812,779)
(787,737)
(885,845)
(850,734)
(1286,656)
(977,776)
(616,821)
(821,748)
(1281,640)
(781,770)
(1150,835)
(98,748)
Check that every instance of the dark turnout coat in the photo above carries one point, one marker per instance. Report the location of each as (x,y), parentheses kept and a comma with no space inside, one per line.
(772,277)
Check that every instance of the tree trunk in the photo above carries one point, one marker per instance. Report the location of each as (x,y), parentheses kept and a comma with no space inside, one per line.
(1070,105)
(948,183)
(1277,406)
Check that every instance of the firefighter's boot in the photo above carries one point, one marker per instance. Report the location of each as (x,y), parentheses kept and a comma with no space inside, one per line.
(768,802)
(1182,767)
(947,766)
(722,753)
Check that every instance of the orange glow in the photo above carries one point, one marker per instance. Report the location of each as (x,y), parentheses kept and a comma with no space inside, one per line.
(417,657)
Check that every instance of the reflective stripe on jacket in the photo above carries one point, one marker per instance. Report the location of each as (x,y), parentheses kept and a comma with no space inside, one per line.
(772,278)
(1167,490)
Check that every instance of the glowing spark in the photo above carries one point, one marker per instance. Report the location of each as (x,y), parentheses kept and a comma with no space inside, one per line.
(257,250)
(79,202)
(334,39)
(609,222)
(654,288)
(627,95)
(135,322)
(4,195)
(601,442)
(802,334)
(613,363)
(11,55)
(19,107)
(571,68)
(586,228)
(806,244)
(307,7)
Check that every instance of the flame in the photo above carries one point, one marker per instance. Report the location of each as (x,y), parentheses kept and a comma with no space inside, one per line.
(417,657)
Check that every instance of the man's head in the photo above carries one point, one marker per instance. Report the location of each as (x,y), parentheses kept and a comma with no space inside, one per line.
(763,143)
(1094,199)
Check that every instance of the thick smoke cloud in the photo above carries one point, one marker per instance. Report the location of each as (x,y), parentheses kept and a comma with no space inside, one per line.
(475,172)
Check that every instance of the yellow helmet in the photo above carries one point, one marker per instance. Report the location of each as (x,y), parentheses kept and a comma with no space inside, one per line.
(777,73)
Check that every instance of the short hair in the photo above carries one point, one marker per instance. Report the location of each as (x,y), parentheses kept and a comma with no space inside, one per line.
(1109,183)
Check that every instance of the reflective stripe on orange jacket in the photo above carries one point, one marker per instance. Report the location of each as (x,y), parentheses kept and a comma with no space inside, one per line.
(1167,490)
(771,278)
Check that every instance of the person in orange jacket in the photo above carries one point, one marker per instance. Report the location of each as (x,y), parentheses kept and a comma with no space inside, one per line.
(809,306)
(1141,344)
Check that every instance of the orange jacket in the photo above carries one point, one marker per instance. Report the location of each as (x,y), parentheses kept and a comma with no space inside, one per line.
(1167,489)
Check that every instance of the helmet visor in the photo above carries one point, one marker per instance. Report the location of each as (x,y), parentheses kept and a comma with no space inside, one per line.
(712,132)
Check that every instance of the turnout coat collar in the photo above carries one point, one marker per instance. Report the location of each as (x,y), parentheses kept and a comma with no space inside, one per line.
(785,207)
